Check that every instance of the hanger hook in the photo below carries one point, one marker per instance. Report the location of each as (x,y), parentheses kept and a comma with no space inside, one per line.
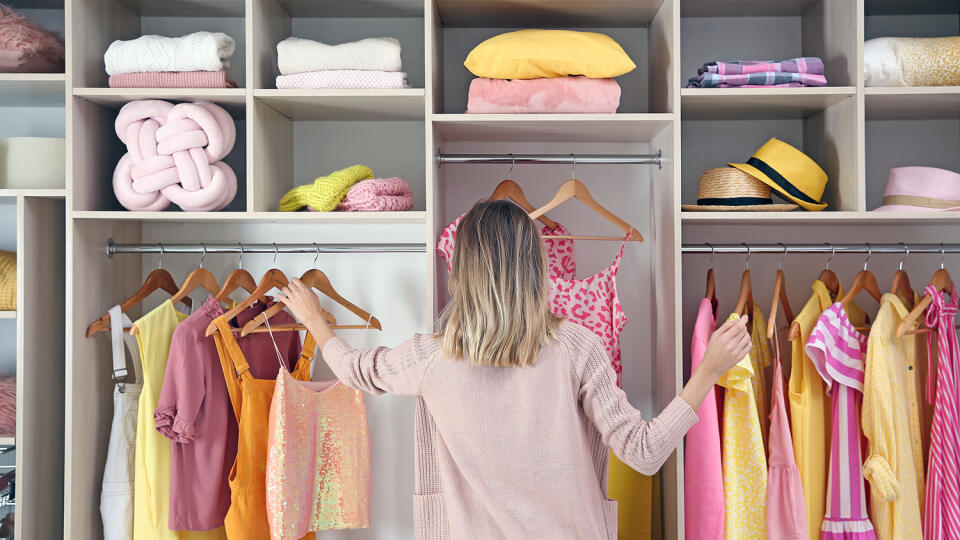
(317,256)
(906,253)
(513,162)
(240,262)
(573,171)
(782,257)
(713,251)
(276,251)
(203,253)
(160,262)
(941,255)
(869,253)
(746,264)
(833,252)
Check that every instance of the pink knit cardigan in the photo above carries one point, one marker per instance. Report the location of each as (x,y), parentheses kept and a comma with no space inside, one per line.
(515,452)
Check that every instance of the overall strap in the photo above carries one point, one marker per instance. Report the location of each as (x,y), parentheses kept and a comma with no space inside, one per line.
(232,347)
(302,370)
(229,375)
(118,320)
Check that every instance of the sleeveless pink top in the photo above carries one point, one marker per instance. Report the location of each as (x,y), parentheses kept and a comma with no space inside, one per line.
(591,302)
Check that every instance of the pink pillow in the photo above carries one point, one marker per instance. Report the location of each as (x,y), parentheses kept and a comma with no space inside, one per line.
(26,47)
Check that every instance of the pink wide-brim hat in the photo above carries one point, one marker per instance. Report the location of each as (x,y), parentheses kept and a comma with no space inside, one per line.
(921,189)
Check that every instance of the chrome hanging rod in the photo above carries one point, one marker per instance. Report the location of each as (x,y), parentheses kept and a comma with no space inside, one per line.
(234,247)
(912,248)
(556,159)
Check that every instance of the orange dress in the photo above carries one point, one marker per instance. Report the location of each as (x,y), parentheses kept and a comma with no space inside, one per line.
(247,517)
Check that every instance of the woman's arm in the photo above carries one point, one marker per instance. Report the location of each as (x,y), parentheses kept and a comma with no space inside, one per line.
(644,445)
(398,371)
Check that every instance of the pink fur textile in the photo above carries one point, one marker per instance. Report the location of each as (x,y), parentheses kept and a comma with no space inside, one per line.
(378,195)
(555,95)
(172,79)
(25,47)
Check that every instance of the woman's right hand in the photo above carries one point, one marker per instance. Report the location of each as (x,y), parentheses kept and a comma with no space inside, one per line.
(728,345)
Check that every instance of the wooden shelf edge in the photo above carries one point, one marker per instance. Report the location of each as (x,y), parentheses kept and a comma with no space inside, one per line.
(33,77)
(414,217)
(8,314)
(819,217)
(911,90)
(762,92)
(8,441)
(322,93)
(51,193)
(573,118)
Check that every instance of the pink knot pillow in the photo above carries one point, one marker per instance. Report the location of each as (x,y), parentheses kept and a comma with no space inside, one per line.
(174,154)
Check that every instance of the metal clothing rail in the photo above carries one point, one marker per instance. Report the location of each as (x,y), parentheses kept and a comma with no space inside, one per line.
(572,159)
(865,248)
(243,248)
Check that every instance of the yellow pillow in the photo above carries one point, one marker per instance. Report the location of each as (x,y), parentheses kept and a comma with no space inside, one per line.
(534,54)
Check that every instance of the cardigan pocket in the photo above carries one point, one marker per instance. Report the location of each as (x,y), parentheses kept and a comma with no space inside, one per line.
(610,518)
(429,520)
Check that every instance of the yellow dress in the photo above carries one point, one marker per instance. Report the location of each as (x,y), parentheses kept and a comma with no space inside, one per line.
(761,359)
(638,501)
(891,424)
(151,501)
(744,460)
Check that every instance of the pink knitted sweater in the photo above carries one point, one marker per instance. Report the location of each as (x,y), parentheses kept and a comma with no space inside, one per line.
(517,452)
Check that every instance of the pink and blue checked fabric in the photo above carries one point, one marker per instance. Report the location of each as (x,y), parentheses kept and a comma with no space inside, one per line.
(806,64)
(765,79)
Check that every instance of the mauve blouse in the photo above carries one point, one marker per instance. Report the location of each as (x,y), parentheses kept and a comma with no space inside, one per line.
(194,411)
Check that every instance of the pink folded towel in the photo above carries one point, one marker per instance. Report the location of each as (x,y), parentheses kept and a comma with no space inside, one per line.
(555,95)
(344,79)
(172,79)
(378,195)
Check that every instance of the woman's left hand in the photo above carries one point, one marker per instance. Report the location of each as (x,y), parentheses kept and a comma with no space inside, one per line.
(301,301)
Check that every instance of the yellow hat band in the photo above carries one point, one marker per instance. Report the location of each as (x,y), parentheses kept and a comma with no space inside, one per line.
(780,181)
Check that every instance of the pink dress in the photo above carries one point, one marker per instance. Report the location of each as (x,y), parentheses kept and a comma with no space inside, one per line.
(702,467)
(786,513)
(838,350)
(941,520)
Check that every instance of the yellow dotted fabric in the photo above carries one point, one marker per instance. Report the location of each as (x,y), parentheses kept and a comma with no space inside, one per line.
(8,281)
(326,192)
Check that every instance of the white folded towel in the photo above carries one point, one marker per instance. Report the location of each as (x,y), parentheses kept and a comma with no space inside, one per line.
(199,51)
(297,55)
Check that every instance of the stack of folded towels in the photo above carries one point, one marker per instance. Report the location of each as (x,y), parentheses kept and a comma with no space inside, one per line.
(546,71)
(804,71)
(353,189)
(196,60)
(368,63)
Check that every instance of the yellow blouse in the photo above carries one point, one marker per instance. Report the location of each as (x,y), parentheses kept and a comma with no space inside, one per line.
(891,423)
(744,460)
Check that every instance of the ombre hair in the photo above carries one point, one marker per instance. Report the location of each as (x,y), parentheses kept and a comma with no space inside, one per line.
(499,310)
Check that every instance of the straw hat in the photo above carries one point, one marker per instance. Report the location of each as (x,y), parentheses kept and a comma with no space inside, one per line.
(726,189)
(789,171)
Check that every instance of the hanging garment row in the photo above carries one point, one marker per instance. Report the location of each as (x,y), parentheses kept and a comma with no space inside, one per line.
(199,400)
(753,471)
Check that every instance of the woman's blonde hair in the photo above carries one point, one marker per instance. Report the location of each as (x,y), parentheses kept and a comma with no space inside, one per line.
(499,310)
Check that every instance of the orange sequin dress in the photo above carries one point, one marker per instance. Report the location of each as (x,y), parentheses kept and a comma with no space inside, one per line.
(318,461)
(247,517)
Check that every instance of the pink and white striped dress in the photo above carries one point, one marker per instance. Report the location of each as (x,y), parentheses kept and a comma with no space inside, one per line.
(941,519)
(837,350)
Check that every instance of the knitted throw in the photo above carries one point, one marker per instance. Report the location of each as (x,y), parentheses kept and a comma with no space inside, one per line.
(326,192)
(378,195)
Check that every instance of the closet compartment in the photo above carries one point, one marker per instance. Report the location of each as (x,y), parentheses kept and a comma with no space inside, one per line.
(770,30)
(49,15)
(730,127)
(390,286)
(32,105)
(96,150)
(922,18)
(299,138)
(97,23)
(334,23)
(644,30)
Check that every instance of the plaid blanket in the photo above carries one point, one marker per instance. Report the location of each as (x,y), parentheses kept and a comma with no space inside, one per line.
(806,64)
(767,78)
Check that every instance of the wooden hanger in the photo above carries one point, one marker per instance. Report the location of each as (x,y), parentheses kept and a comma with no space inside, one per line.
(159,279)
(901,281)
(574,189)
(508,189)
(830,280)
(272,279)
(779,297)
(238,279)
(199,278)
(711,293)
(318,280)
(943,283)
(864,281)
(745,298)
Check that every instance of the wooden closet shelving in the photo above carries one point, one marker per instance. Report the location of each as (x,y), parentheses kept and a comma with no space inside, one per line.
(288,137)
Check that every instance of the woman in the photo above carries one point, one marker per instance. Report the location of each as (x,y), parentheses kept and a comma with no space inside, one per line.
(524,405)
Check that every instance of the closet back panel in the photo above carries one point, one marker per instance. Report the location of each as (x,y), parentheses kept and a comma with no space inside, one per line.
(458,42)
(901,143)
(31,121)
(624,189)
(905,25)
